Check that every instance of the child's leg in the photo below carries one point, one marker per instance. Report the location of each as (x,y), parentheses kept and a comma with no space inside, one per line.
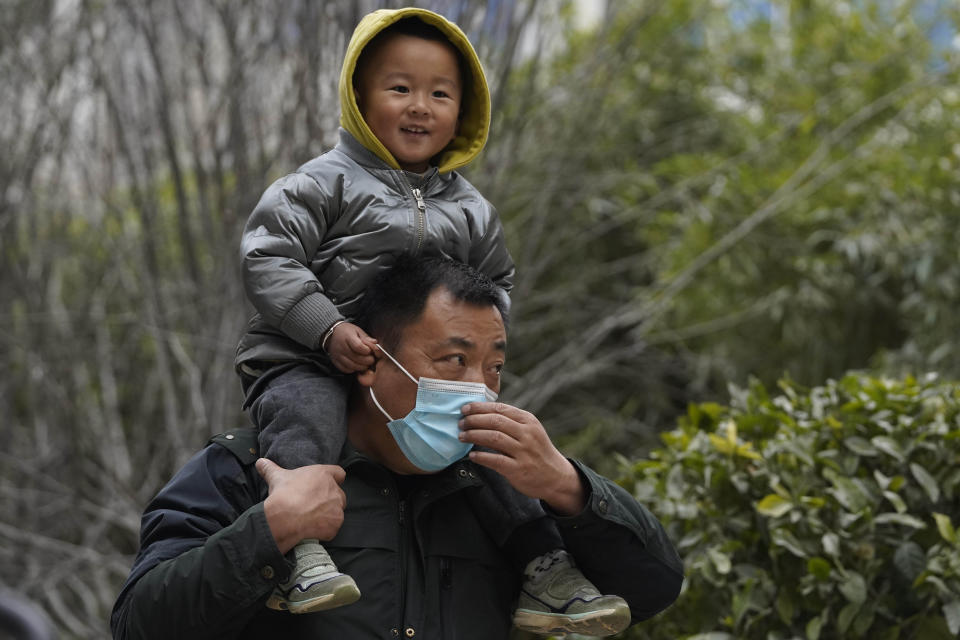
(301,418)
(555,596)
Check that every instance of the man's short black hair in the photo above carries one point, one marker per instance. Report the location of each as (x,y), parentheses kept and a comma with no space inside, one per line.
(396,298)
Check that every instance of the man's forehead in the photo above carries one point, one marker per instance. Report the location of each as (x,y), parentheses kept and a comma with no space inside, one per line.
(465,342)
(447,321)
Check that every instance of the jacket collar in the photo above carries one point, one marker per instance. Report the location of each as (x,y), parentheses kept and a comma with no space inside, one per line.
(457,476)
(432,180)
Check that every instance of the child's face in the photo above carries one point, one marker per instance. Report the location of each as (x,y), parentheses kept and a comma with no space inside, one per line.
(409,93)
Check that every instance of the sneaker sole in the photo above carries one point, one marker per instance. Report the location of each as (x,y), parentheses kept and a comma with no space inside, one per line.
(604,622)
(338,592)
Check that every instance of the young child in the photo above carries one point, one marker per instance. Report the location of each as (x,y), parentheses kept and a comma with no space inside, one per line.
(414,107)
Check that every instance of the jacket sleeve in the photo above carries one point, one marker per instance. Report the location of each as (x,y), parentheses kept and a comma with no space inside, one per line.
(622,548)
(280,238)
(207,560)
(489,253)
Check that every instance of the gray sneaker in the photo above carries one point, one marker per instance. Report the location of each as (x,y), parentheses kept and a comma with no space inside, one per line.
(315,583)
(557,598)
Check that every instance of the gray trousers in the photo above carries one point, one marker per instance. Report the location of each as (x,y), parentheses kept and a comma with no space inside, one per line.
(301,414)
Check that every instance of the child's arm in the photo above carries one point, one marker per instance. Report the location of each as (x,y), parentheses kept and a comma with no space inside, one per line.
(282,235)
(488,252)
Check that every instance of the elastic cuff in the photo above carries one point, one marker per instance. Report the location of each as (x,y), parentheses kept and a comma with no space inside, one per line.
(309,318)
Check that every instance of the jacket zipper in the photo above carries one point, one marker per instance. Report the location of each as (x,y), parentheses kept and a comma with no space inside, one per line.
(421,212)
(403,565)
(446,598)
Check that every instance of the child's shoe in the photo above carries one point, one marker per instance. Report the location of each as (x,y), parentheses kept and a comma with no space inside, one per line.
(315,583)
(557,598)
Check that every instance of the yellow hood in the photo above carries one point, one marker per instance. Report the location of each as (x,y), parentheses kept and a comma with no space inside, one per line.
(475,121)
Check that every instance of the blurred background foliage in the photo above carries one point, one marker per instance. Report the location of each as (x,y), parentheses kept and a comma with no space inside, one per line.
(696,192)
(823,512)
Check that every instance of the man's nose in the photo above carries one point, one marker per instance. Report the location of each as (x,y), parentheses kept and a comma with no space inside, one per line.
(474,374)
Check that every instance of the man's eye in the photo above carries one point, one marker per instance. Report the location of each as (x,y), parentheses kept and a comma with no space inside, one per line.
(457,359)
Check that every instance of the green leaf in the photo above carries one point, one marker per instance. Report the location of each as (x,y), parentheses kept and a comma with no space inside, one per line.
(860,446)
(951,612)
(854,588)
(846,616)
(926,481)
(774,506)
(720,560)
(814,627)
(819,568)
(933,628)
(786,608)
(864,619)
(896,501)
(831,544)
(848,494)
(945,527)
(813,501)
(900,518)
(910,560)
(785,539)
(889,446)
(941,586)
(882,481)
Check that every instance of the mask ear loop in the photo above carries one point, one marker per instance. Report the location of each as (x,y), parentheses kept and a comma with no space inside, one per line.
(399,366)
(377,402)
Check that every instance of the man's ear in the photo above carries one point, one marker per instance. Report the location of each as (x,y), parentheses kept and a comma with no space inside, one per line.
(367,377)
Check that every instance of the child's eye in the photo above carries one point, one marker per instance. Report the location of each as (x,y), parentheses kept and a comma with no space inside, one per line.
(440,94)
(399,88)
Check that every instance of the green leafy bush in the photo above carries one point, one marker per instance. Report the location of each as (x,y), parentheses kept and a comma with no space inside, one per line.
(815,513)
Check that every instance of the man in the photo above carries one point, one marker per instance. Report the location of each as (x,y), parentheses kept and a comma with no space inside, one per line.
(213,540)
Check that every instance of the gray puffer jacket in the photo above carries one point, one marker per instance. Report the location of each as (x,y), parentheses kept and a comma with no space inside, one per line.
(320,235)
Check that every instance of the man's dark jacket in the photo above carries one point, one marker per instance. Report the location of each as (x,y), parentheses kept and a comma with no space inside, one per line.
(424,565)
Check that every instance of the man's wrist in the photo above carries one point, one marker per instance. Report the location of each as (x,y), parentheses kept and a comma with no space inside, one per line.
(284,534)
(569,496)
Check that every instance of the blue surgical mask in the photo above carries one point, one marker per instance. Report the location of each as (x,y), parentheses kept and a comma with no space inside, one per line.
(429,435)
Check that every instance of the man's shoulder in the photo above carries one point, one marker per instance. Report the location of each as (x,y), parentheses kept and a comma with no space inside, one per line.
(242,443)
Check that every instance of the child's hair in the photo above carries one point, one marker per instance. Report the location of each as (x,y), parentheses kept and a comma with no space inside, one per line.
(413,26)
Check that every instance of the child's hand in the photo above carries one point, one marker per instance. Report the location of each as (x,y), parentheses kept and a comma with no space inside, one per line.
(350,348)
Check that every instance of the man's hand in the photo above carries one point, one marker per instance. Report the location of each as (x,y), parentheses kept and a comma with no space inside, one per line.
(303,503)
(350,348)
(525,456)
